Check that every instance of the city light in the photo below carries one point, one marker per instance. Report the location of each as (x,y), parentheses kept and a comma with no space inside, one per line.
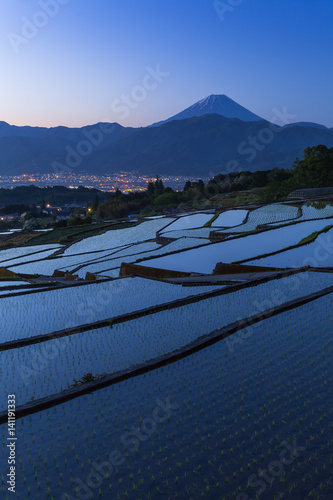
(125,181)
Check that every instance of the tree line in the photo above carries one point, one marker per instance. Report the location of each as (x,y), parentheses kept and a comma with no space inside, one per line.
(314,170)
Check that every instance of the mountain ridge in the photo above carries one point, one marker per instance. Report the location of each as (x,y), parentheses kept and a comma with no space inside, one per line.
(194,147)
(198,145)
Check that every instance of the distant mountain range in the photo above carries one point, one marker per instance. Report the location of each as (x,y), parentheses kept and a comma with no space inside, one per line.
(214,135)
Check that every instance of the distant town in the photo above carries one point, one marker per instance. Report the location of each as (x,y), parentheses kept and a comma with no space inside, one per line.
(125,181)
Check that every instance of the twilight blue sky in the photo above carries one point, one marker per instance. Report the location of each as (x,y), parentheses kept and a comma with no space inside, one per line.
(77,65)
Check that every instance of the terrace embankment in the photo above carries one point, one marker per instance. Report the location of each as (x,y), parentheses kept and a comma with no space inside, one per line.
(151,272)
(223,268)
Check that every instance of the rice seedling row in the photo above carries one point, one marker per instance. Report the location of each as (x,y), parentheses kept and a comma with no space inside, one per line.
(202,294)
(52,366)
(188,222)
(318,253)
(202,232)
(17,253)
(118,237)
(280,224)
(132,252)
(312,212)
(197,345)
(204,259)
(111,268)
(227,414)
(48,266)
(84,304)
(230,218)
(264,215)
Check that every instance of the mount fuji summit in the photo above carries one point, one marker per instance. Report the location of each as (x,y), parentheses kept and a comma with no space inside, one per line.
(214,104)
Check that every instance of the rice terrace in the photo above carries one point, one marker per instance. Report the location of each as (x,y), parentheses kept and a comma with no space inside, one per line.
(201,375)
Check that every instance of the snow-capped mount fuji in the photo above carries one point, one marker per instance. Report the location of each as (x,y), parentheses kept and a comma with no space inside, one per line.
(214,104)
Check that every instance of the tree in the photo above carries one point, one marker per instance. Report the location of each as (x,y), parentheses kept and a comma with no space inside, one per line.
(159,188)
(316,169)
(150,189)
(155,188)
(166,199)
(95,203)
(259,179)
(200,185)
